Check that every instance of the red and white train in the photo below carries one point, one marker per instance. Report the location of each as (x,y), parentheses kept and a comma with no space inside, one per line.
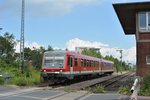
(59,66)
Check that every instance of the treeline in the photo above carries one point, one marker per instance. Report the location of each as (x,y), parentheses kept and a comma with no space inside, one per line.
(9,58)
(33,57)
(118,64)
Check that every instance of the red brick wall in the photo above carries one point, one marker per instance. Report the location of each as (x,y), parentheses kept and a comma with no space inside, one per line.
(143,49)
(144,36)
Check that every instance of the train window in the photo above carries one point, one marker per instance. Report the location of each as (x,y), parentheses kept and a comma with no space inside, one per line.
(70,61)
(104,64)
(87,63)
(48,61)
(97,65)
(84,62)
(76,61)
(92,64)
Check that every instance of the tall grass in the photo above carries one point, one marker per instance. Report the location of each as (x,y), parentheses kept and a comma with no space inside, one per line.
(1,81)
(145,87)
(30,76)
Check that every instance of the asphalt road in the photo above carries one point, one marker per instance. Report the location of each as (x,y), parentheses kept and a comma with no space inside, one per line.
(34,93)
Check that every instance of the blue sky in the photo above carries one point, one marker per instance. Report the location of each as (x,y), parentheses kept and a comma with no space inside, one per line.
(56,22)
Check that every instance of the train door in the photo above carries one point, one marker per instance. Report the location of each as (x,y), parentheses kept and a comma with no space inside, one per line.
(100,68)
(70,58)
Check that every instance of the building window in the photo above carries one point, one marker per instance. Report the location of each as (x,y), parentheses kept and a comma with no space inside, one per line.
(148,59)
(144,21)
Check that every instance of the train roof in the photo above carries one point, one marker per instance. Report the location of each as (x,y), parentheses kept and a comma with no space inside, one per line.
(82,55)
(56,51)
(63,52)
(107,61)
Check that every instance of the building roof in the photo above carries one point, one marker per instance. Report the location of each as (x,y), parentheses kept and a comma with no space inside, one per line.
(126,13)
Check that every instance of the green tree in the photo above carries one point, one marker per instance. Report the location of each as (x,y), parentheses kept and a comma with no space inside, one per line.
(27,53)
(91,52)
(49,48)
(7,51)
(37,56)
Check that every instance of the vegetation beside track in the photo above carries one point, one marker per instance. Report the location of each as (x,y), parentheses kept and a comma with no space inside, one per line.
(97,89)
(9,62)
(124,90)
(30,77)
(145,87)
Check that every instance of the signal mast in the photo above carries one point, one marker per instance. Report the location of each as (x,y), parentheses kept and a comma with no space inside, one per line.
(22,38)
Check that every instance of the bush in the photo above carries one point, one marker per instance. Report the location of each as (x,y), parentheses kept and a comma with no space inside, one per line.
(27,79)
(30,77)
(20,81)
(36,75)
(124,90)
(97,89)
(24,81)
(1,81)
(145,87)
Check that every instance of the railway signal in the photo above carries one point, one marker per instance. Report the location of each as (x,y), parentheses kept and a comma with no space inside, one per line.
(120,56)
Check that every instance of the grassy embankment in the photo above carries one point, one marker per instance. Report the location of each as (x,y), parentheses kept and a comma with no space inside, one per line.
(29,78)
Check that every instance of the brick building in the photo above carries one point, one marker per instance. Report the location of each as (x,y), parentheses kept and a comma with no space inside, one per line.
(135,20)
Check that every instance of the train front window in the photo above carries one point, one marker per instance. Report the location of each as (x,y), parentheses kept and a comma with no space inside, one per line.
(54,62)
(54,59)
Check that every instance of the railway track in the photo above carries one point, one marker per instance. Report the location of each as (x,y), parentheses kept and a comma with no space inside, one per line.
(106,81)
(124,81)
(114,80)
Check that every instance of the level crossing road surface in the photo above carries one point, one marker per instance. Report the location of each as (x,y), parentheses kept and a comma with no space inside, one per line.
(39,93)
(4,89)
(35,93)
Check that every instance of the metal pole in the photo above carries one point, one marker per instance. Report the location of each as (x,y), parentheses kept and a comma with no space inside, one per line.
(22,39)
(120,56)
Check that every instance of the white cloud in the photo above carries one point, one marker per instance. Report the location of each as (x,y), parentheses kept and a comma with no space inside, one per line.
(44,7)
(28,45)
(76,42)
(129,55)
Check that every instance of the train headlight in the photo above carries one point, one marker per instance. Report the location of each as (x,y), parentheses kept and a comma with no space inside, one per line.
(60,70)
(56,72)
(44,71)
